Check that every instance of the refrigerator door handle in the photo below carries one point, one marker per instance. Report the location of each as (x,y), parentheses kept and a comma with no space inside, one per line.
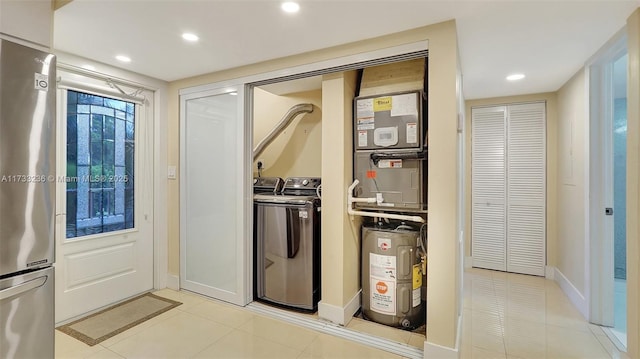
(22,288)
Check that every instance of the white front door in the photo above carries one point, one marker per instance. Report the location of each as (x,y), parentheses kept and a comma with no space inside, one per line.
(214,168)
(104,222)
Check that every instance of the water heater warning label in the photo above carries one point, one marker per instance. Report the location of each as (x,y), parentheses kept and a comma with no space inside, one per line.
(383,296)
(382,280)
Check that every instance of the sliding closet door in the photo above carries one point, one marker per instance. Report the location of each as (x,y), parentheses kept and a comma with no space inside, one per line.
(526,188)
(213,200)
(508,184)
(488,188)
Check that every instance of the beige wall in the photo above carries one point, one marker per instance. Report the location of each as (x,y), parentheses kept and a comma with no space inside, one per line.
(633,186)
(340,240)
(442,204)
(552,120)
(573,159)
(60,3)
(442,311)
(297,150)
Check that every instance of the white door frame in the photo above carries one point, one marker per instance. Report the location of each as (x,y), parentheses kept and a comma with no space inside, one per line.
(76,79)
(600,246)
(159,89)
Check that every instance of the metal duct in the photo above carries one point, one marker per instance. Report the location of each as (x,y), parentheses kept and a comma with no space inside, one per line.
(286,120)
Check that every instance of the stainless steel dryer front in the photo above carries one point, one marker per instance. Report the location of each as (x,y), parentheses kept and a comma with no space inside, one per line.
(287,245)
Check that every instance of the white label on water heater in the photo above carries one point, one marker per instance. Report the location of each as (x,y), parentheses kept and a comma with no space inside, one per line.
(417,293)
(383,296)
(382,281)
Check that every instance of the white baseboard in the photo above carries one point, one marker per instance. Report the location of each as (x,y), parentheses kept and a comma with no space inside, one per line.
(340,315)
(173,281)
(549,272)
(468,262)
(578,300)
(432,351)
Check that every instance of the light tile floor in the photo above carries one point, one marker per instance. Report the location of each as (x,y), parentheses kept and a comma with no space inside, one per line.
(620,311)
(513,316)
(506,316)
(203,328)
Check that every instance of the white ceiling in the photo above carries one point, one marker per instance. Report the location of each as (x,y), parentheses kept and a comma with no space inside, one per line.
(547,40)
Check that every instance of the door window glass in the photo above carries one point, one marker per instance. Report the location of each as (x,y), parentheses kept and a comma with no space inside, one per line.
(100,164)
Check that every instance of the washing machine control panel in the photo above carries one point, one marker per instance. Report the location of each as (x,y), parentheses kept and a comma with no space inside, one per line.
(301,185)
(267,184)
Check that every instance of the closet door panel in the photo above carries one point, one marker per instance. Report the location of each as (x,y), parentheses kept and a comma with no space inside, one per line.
(526,188)
(488,184)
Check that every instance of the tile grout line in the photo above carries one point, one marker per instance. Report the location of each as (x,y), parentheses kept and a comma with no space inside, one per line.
(503,319)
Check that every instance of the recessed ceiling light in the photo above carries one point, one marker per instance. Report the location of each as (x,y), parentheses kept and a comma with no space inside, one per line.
(515,77)
(233,93)
(89,67)
(190,37)
(123,58)
(290,7)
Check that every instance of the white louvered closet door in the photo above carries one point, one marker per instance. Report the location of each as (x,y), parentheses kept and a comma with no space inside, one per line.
(488,188)
(508,186)
(526,188)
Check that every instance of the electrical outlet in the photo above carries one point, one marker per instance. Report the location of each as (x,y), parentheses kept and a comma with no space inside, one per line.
(260,164)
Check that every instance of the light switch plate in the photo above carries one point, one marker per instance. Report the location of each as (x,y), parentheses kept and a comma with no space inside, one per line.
(171,172)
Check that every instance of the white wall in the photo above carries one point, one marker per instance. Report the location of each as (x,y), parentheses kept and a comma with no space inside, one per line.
(573,157)
(30,21)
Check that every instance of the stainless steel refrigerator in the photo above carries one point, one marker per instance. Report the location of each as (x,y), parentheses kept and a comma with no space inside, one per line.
(27,201)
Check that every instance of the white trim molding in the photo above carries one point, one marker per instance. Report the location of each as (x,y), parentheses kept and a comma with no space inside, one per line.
(468,262)
(173,282)
(437,351)
(432,350)
(550,272)
(577,298)
(340,315)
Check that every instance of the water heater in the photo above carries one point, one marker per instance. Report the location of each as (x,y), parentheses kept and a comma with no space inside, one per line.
(393,271)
